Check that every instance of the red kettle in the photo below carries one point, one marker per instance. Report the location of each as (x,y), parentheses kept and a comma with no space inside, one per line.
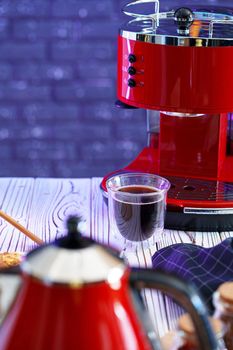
(78,294)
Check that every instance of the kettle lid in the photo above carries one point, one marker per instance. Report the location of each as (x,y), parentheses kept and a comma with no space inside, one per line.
(74,260)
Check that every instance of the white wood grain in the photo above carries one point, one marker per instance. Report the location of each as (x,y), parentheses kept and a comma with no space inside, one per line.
(41,205)
(15,197)
(53,201)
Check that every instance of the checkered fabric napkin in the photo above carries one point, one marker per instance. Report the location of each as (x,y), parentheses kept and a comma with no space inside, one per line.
(207,268)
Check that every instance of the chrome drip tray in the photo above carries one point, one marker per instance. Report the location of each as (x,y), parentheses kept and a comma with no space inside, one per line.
(197,217)
(200,190)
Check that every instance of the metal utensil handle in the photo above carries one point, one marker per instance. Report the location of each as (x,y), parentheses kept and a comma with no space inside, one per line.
(185,294)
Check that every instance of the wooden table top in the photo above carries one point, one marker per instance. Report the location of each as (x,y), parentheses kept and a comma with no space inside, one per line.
(42,205)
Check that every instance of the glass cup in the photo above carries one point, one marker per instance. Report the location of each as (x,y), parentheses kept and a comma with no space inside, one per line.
(136,206)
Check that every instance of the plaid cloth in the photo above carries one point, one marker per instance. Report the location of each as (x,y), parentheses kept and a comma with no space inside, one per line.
(207,268)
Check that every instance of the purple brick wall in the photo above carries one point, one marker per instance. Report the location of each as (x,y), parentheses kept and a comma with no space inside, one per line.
(57,90)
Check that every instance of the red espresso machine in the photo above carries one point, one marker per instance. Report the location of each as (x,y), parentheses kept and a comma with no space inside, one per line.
(178,65)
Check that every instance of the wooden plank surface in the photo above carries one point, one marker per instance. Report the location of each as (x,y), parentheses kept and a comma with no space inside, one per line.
(42,205)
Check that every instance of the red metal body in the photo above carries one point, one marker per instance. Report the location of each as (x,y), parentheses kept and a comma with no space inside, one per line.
(60,319)
(176,78)
(182,79)
(193,146)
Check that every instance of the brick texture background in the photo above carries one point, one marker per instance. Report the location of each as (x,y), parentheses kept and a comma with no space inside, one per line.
(57,90)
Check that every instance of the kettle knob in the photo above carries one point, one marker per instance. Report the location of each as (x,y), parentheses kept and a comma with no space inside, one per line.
(74,239)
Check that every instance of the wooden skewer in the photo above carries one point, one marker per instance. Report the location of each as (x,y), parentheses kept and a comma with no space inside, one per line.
(21,228)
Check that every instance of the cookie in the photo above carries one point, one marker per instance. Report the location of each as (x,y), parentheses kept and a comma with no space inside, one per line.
(226,292)
(10,259)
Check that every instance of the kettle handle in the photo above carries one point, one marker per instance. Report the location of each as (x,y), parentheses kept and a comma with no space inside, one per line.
(184,293)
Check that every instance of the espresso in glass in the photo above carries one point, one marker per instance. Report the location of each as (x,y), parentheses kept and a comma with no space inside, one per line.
(137,219)
(136,206)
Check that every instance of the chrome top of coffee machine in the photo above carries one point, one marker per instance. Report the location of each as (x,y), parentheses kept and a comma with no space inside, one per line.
(177,65)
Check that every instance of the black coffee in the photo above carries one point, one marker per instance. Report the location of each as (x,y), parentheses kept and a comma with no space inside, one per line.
(137,221)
